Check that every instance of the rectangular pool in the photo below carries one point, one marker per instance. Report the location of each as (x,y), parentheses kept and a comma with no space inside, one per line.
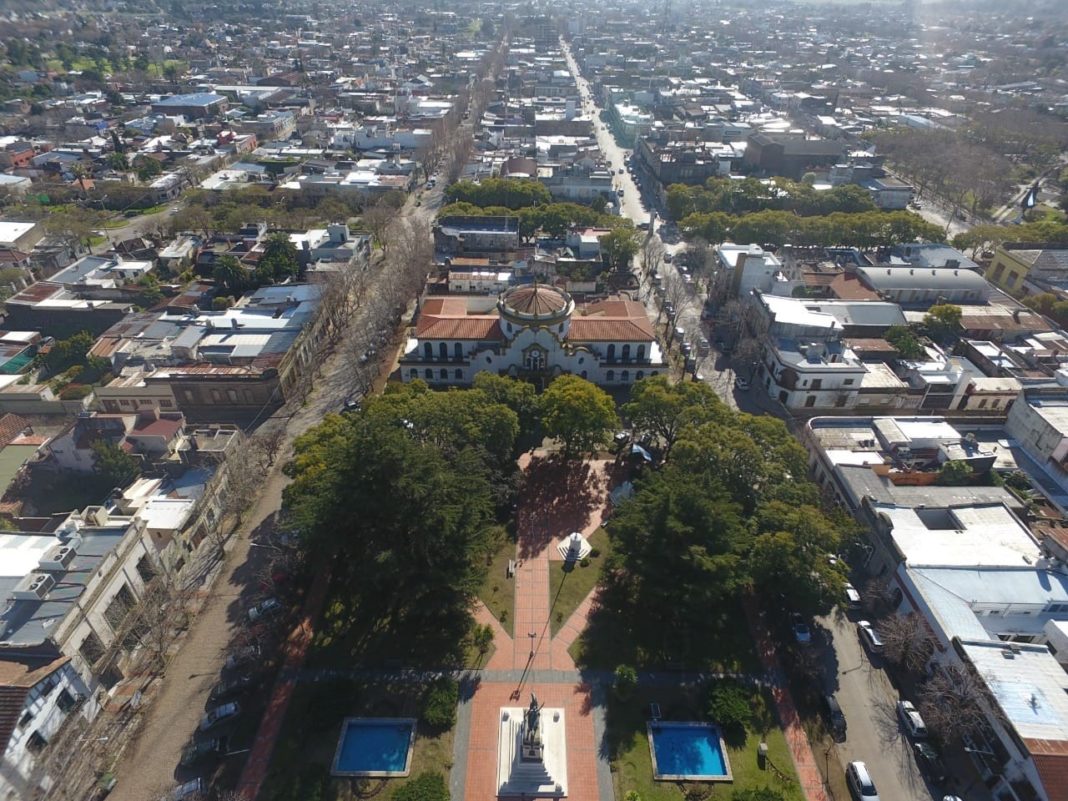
(374,747)
(692,752)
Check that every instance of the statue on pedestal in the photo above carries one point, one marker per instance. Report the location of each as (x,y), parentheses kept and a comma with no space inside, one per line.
(532,744)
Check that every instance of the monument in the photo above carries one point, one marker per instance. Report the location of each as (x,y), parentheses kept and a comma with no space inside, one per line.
(531,758)
(573,547)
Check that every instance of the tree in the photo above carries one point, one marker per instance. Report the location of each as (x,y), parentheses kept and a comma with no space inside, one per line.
(520,397)
(619,247)
(905,342)
(953,703)
(906,641)
(624,680)
(230,274)
(424,787)
(117,161)
(729,706)
(279,260)
(578,413)
(943,321)
(660,409)
(68,352)
(955,473)
(147,168)
(482,638)
(439,704)
(113,464)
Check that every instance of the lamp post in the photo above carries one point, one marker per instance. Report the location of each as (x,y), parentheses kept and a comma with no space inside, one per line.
(533,635)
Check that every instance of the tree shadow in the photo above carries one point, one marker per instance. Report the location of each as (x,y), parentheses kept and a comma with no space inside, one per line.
(556,496)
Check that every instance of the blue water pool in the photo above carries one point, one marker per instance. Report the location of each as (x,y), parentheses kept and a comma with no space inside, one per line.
(688,751)
(375,747)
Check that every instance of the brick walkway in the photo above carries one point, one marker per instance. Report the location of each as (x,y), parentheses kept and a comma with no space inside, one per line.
(804,760)
(296,648)
(556,499)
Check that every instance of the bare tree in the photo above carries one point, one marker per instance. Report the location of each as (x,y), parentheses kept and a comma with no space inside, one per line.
(677,293)
(907,641)
(746,354)
(377,218)
(652,255)
(271,440)
(953,703)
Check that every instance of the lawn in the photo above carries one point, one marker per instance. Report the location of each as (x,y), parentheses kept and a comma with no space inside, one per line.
(312,727)
(632,767)
(498,591)
(570,584)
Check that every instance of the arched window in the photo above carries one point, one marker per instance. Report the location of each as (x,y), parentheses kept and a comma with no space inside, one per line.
(413,373)
(459,375)
(639,375)
(458,352)
(641,353)
(612,352)
(428,350)
(624,376)
(610,375)
(428,374)
(652,374)
(444,374)
(626,353)
(583,374)
(443,351)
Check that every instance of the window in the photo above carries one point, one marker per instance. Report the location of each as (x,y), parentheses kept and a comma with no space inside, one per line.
(443,351)
(232,395)
(817,383)
(428,350)
(610,375)
(653,374)
(582,374)
(626,353)
(612,352)
(639,375)
(995,403)
(65,701)
(215,396)
(459,374)
(840,401)
(982,403)
(458,352)
(145,569)
(1010,281)
(413,373)
(166,404)
(91,648)
(641,353)
(624,376)
(848,382)
(428,374)
(35,742)
(119,607)
(810,401)
(26,718)
(489,360)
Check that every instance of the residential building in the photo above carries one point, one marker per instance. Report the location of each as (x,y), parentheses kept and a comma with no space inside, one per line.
(459,235)
(923,287)
(1024,268)
(20,235)
(195,106)
(790,155)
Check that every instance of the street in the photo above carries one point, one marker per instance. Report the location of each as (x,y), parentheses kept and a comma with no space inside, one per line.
(868,700)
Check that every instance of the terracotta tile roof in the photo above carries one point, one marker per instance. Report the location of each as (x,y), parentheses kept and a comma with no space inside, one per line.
(586,329)
(16,680)
(11,425)
(1051,762)
(467,327)
(846,286)
(455,307)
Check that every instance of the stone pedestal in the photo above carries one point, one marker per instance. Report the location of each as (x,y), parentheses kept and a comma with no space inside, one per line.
(573,547)
(531,766)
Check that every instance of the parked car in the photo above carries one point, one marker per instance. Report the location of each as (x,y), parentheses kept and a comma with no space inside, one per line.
(911,720)
(264,609)
(202,749)
(802,632)
(703,347)
(836,722)
(930,762)
(190,789)
(241,657)
(352,404)
(860,784)
(740,383)
(869,636)
(230,687)
(853,600)
(219,714)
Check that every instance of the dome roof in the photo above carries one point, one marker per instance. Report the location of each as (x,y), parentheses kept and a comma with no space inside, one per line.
(536,300)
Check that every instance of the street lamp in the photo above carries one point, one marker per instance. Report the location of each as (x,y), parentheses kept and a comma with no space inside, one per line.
(533,635)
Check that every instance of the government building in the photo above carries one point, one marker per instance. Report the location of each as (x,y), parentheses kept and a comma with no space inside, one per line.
(533,330)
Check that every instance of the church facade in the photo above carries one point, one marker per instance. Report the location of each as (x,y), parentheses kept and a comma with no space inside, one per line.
(533,329)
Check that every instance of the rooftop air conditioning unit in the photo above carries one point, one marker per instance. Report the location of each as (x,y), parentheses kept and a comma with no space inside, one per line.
(34,587)
(57,558)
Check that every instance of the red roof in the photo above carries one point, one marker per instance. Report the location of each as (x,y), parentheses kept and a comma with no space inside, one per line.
(585,329)
(472,327)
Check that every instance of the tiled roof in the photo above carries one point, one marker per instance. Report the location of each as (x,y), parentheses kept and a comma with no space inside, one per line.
(16,680)
(11,425)
(586,329)
(536,299)
(467,327)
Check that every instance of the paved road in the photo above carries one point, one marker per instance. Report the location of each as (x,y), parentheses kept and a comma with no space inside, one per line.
(868,700)
(148,768)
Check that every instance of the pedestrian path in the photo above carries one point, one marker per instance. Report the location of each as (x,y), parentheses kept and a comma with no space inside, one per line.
(804,760)
(296,648)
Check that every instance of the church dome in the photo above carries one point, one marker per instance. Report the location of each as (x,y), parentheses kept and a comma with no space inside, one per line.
(535,303)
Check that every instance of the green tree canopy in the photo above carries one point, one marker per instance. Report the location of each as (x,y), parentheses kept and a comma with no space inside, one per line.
(115,467)
(577,413)
(619,247)
(279,260)
(512,193)
(943,320)
(661,409)
(230,274)
(905,342)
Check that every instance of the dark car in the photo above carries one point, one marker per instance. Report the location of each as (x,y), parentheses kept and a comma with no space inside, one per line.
(836,722)
(202,749)
(230,687)
(930,762)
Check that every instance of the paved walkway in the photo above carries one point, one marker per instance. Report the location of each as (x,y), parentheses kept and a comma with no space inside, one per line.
(296,648)
(556,499)
(804,760)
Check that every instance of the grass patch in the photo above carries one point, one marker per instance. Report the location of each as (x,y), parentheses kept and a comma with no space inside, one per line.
(632,765)
(498,591)
(569,586)
(312,727)
(721,642)
(51,493)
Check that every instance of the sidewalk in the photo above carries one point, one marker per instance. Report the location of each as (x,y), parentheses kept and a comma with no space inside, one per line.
(296,648)
(804,760)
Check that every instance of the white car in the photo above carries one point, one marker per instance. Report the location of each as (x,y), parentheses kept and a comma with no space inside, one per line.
(742,384)
(869,637)
(860,784)
(219,714)
(911,720)
(852,597)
